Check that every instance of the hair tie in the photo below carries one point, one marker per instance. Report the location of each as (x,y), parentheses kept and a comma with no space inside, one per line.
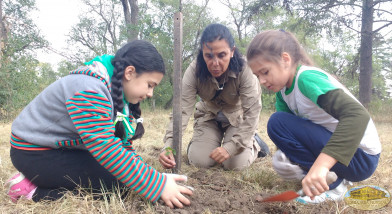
(120,117)
(281,30)
(139,120)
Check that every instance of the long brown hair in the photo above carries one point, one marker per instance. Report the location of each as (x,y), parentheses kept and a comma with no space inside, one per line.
(145,58)
(270,45)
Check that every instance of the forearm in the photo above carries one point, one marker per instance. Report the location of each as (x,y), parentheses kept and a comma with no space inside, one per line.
(324,161)
(353,120)
(96,129)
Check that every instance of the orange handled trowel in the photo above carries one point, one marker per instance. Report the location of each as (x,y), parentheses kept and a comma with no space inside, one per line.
(290,195)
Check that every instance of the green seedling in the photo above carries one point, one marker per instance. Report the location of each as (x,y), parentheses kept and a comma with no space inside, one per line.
(170,150)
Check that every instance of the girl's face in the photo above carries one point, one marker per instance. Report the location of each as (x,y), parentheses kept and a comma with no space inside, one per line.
(138,87)
(273,75)
(217,55)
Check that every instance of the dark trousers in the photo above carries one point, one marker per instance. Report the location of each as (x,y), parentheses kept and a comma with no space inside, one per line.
(302,141)
(59,170)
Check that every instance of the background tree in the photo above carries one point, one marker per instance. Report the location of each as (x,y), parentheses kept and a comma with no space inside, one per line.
(19,39)
(243,15)
(357,15)
(4,30)
(131,12)
(157,26)
(99,31)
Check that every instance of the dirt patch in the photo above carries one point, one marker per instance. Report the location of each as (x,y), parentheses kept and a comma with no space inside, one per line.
(214,193)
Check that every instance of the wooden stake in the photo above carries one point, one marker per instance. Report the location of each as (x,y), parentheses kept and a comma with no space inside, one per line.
(177,82)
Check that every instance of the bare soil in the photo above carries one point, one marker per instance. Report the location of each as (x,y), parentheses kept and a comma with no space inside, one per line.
(214,193)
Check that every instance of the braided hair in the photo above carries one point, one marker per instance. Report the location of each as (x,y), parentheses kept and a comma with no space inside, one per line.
(145,58)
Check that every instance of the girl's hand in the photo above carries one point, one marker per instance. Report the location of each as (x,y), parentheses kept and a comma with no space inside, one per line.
(167,160)
(172,193)
(219,154)
(315,182)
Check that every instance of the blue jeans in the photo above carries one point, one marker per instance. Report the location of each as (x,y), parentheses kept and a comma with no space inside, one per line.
(302,141)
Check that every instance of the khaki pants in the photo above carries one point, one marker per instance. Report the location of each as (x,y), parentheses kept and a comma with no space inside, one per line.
(207,136)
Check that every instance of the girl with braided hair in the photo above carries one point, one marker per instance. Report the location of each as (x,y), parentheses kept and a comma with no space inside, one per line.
(78,133)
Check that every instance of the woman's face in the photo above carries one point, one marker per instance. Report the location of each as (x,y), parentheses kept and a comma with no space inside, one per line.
(217,55)
(138,87)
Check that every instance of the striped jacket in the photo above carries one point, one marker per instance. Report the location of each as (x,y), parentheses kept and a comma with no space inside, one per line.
(76,111)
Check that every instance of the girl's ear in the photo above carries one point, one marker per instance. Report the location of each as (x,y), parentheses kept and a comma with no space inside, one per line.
(286,59)
(129,72)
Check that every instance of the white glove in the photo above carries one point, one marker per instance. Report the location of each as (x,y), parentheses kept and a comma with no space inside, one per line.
(184,179)
(283,166)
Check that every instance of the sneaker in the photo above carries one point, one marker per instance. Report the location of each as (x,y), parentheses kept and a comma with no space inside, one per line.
(336,194)
(20,186)
(285,168)
(264,150)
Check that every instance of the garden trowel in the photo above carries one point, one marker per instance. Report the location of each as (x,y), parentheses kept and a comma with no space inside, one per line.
(290,195)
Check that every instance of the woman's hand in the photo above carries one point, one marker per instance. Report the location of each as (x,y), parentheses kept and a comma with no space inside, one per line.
(315,181)
(167,160)
(172,193)
(219,154)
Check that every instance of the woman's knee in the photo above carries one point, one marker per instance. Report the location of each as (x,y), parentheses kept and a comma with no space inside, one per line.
(241,161)
(200,161)
(199,156)
(236,166)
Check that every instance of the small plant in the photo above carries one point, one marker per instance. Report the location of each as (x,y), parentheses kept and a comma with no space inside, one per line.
(170,150)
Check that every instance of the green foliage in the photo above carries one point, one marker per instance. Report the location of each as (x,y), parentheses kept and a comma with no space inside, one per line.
(22,77)
(381,107)
(163,92)
(26,80)
(169,150)
(268,99)
(64,67)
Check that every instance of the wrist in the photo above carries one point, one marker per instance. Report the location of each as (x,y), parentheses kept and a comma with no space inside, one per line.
(323,161)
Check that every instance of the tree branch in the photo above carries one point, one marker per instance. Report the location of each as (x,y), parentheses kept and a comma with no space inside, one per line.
(382,27)
(381,1)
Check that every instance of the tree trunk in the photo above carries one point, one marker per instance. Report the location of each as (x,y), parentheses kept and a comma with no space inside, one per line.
(3,30)
(365,64)
(134,18)
(131,18)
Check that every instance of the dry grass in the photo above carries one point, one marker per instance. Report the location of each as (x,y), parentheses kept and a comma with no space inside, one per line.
(259,177)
